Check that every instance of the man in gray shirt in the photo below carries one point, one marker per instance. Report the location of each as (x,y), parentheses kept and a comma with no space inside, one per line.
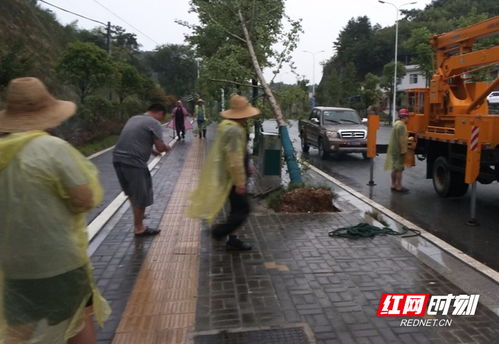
(141,136)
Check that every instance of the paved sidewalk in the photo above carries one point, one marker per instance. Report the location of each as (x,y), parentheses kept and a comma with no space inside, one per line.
(162,306)
(117,255)
(295,275)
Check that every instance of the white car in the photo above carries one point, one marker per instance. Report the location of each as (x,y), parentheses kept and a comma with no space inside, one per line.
(493,98)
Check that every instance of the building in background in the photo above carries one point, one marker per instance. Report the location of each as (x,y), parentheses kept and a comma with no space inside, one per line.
(413,78)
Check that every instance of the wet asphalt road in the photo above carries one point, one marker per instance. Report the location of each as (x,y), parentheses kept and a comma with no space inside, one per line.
(445,218)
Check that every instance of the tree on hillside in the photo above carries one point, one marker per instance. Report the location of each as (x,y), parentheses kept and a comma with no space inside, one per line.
(96,36)
(125,46)
(328,91)
(175,68)
(86,67)
(15,61)
(371,94)
(419,44)
(127,81)
(387,78)
(338,86)
(293,100)
(358,43)
(247,29)
(370,48)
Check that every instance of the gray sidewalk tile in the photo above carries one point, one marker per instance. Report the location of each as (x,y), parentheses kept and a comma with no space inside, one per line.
(334,285)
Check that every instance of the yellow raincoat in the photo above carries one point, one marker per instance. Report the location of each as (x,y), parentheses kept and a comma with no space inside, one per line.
(42,234)
(223,168)
(397,147)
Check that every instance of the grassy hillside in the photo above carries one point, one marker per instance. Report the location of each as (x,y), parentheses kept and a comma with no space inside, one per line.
(30,41)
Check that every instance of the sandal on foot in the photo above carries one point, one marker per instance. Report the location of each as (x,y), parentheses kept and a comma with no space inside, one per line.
(148,231)
(403,190)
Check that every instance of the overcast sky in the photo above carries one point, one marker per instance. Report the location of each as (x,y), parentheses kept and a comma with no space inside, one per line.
(153,21)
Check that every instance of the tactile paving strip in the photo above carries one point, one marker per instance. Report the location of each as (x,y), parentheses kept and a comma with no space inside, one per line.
(161,308)
(290,335)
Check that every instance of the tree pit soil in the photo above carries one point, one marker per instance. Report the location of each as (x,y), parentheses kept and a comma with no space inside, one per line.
(307,199)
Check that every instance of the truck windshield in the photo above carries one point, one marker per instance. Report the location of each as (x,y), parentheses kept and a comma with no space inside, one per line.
(341,116)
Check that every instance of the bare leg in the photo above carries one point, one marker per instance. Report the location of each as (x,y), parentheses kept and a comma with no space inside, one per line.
(398,180)
(138,219)
(87,335)
(19,334)
(394,179)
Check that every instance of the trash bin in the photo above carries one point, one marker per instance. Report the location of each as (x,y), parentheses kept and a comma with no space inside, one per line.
(270,154)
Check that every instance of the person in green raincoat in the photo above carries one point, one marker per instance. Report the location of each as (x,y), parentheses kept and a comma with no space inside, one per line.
(200,116)
(47,291)
(224,175)
(397,149)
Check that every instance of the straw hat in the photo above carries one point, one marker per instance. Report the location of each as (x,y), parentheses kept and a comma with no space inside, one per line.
(240,108)
(200,100)
(31,107)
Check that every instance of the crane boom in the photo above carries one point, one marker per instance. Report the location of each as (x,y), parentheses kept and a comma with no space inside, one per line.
(454,126)
(466,34)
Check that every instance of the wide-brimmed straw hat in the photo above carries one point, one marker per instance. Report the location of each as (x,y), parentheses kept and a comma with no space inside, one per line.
(31,107)
(200,100)
(240,108)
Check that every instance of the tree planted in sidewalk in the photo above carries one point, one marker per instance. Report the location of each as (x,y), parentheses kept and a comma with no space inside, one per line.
(246,31)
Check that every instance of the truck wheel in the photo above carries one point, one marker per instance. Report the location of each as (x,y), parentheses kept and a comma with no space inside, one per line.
(447,183)
(304,147)
(322,150)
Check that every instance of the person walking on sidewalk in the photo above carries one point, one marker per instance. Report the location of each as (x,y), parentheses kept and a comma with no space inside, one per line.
(141,136)
(47,287)
(224,175)
(200,115)
(397,149)
(179,117)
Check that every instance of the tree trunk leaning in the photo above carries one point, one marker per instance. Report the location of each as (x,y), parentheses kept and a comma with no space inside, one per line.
(289,155)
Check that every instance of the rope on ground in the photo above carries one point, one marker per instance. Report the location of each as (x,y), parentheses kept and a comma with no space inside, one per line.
(365,230)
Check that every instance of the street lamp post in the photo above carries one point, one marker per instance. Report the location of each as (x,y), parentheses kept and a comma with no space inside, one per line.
(397,9)
(313,68)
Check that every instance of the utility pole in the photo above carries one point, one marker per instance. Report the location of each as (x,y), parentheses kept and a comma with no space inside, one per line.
(397,9)
(313,71)
(108,38)
(222,99)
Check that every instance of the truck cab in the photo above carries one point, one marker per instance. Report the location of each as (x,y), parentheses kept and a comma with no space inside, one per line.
(333,130)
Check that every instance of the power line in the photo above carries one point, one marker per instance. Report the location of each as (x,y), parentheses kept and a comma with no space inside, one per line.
(117,16)
(76,14)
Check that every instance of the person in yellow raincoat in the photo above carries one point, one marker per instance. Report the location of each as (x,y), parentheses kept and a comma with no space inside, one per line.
(47,291)
(224,175)
(397,149)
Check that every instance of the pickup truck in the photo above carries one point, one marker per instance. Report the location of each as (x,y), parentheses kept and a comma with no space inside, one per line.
(333,129)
